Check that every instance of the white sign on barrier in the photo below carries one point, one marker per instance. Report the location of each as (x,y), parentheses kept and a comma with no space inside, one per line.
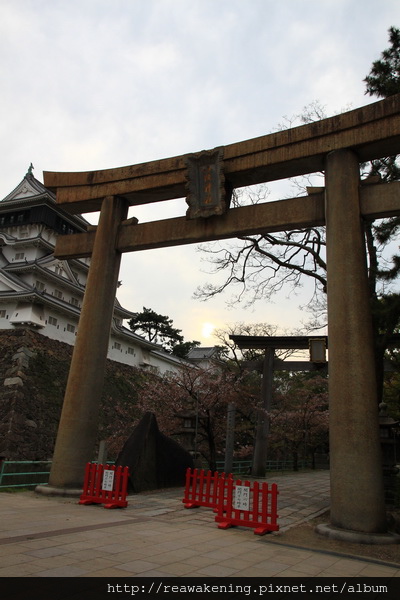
(108,480)
(242,498)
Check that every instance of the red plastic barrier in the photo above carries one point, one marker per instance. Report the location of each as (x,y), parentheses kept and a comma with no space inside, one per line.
(105,484)
(247,504)
(201,488)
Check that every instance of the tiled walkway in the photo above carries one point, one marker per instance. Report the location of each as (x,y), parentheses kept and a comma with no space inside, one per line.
(157,537)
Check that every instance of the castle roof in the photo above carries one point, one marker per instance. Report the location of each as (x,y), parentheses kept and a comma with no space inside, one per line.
(30,191)
(29,187)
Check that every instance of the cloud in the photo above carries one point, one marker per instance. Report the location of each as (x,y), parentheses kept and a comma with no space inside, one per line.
(96,84)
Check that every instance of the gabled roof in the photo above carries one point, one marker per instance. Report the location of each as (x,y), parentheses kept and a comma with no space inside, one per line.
(29,187)
(203,352)
(31,190)
(41,265)
(15,283)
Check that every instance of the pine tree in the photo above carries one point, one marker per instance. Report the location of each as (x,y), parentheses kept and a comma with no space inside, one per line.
(384,77)
(156,328)
(384,81)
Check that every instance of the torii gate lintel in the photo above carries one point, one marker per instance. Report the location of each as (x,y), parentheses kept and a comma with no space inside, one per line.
(371,131)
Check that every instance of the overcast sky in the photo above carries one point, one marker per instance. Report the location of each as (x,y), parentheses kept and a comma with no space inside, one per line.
(94,84)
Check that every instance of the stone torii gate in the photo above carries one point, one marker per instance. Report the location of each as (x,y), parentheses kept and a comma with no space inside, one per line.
(316,345)
(336,145)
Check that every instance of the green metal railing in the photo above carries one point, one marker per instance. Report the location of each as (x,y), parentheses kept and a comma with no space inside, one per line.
(24,473)
(243,467)
(28,473)
(239,467)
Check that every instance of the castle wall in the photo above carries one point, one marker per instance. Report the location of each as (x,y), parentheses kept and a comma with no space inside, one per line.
(33,375)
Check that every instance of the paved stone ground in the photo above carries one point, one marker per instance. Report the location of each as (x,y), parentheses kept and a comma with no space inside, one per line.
(156,536)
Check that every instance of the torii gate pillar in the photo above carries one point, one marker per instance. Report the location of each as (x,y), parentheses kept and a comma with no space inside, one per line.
(357,499)
(79,418)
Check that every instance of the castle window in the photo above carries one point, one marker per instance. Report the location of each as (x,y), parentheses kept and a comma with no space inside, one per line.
(131,351)
(39,286)
(117,345)
(74,301)
(2,314)
(19,255)
(52,321)
(70,328)
(58,294)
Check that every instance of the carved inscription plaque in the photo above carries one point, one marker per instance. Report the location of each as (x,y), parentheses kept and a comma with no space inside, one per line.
(207,193)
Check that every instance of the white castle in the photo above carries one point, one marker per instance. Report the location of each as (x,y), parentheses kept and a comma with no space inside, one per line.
(41,292)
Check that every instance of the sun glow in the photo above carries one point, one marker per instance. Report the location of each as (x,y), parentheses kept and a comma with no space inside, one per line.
(207,330)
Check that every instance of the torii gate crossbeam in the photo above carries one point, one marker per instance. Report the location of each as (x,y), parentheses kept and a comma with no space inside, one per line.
(336,145)
(371,131)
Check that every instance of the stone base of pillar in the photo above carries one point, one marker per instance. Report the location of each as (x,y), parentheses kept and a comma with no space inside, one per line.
(49,490)
(356,537)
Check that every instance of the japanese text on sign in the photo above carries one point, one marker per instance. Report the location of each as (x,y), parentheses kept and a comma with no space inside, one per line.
(242,498)
(208,194)
(108,480)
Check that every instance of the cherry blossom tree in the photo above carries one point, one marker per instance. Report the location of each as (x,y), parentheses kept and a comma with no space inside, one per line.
(300,417)
(204,393)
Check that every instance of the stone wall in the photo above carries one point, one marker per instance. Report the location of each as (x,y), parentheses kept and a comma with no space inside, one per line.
(33,375)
